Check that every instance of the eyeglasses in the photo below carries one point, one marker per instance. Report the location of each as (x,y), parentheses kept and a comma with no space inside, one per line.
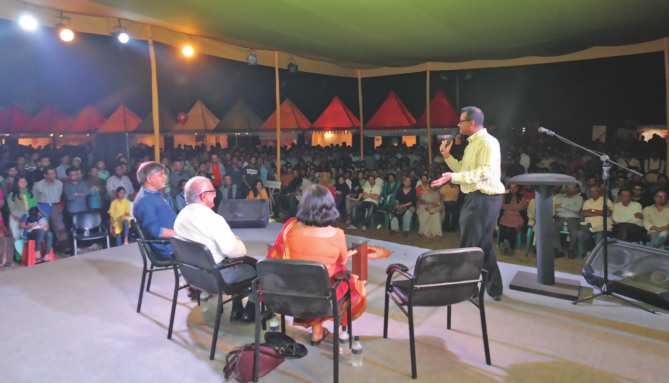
(461,121)
(661,196)
(207,191)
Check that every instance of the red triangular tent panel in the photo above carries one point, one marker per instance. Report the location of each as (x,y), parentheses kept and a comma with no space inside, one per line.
(13,118)
(392,115)
(122,120)
(292,119)
(88,121)
(336,117)
(442,114)
(49,120)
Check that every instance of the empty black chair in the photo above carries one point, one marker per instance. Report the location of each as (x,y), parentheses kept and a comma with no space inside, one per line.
(200,271)
(301,289)
(441,278)
(148,256)
(87,226)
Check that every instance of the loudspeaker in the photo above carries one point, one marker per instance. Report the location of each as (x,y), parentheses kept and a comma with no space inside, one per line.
(635,271)
(244,213)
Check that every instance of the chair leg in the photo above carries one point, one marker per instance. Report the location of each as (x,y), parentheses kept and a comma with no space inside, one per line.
(335,351)
(385,316)
(108,242)
(412,344)
(219,310)
(256,350)
(75,247)
(484,329)
(148,284)
(141,290)
(198,296)
(448,317)
(349,320)
(174,303)
(262,312)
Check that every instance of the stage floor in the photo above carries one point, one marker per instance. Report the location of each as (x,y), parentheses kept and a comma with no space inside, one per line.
(74,320)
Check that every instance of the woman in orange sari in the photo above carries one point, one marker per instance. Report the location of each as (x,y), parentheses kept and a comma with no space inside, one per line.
(310,237)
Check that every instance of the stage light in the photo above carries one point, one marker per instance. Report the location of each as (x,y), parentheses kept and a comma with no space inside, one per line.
(64,32)
(252,59)
(27,21)
(292,68)
(122,36)
(188,51)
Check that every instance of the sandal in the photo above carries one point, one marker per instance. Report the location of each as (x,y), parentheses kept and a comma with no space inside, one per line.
(326,332)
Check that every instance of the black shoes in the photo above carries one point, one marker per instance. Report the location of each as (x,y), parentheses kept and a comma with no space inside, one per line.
(244,315)
(249,313)
(237,311)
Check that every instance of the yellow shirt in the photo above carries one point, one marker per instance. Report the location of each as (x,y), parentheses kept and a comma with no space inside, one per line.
(263,195)
(117,211)
(450,192)
(481,165)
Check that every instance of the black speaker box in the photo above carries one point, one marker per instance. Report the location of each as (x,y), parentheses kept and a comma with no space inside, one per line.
(244,213)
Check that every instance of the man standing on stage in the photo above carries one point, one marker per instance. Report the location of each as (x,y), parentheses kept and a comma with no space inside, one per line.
(478,175)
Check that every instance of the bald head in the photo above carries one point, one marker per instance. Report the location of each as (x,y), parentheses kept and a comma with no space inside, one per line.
(195,187)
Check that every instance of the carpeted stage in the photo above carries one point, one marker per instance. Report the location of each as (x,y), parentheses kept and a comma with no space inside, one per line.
(74,320)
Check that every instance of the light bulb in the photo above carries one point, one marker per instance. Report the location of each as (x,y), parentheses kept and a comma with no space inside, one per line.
(188,51)
(28,22)
(123,37)
(66,34)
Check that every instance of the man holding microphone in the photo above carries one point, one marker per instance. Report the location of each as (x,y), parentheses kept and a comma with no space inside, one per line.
(478,175)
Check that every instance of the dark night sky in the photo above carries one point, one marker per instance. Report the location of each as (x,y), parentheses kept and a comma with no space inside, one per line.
(38,69)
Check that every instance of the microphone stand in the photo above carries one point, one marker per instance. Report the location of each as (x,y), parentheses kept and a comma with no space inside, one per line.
(606,289)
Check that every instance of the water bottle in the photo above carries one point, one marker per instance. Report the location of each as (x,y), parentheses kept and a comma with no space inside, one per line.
(274,324)
(565,228)
(204,301)
(356,360)
(343,341)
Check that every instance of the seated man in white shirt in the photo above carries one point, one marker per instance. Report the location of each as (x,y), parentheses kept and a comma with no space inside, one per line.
(628,218)
(656,220)
(198,223)
(567,213)
(370,199)
(593,211)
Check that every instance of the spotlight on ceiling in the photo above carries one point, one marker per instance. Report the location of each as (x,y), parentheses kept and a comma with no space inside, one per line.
(122,36)
(65,32)
(468,75)
(443,76)
(292,68)
(27,21)
(188,51)
(252,59)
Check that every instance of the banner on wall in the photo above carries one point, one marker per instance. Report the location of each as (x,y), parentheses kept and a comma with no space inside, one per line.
(378,141)
(599,133)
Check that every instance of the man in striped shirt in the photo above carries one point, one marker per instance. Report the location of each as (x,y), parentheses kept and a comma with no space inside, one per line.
(478,175)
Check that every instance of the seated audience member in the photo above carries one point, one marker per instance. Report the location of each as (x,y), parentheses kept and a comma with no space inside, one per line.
(660,185)
(102,172)
(430,211)
(528,192)
(250,174)
(621,183)
(593,212)
(532,213)
(119,217)
(75,193)
(35,226)
(640,195)
(152,211)
(422,184)
(181,197)
(567,213)
(656,220)
(119,179)
(6,240)
(512,218)
(19,201)
(312,229)
(257,191)
(342,190)
(230,190)
(405,207)
(353,199)
(198,222)
(49,191)
(390,188)
(450,193)
(653,167)
(97,186)
(628,218)
(326,181)
(367,208)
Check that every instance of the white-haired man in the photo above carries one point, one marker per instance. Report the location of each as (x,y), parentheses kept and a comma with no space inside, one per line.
(197,222)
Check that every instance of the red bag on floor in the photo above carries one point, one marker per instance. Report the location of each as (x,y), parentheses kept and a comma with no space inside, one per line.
(239,362)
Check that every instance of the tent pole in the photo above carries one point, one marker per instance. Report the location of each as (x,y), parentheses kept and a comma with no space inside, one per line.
(666,77)
(154,92)
(427,99)
(362,132)
(278,116)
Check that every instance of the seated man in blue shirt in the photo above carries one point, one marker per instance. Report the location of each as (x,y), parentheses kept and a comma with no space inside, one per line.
(151,210)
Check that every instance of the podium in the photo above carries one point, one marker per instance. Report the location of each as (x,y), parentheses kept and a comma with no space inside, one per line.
(544,281)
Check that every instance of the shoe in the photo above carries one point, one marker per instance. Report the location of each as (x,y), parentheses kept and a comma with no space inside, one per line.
(249,313)
(315,343)
(406,233)
(192,294)
(237,311)
(352,227)
(558,254)
(497,298)
(507,246)
(502,247)
(364,228)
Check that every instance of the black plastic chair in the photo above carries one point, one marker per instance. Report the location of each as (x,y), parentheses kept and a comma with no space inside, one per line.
(200,271)
(87,226)
(441,278)
(148,256)
(301,289)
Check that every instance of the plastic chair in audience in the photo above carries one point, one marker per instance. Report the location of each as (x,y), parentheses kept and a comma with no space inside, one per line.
(87,226)
(386,204)
(28,257)
(301,289)
(201,272)
(519,243)
(440,278)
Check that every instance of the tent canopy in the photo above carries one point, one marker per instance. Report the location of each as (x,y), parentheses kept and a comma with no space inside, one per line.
(13,118)
(363,35)
(292,119)
(49,120)
(166,121)
(392,119)
(239,119)
(88,121)
(336,117)
(442,114)
(200,119)
(122,120)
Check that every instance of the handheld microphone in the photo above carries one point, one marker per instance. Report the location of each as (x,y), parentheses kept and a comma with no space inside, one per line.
(544,130)
(450,139)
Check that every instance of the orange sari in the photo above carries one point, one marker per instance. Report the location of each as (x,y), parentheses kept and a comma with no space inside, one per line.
(358,290)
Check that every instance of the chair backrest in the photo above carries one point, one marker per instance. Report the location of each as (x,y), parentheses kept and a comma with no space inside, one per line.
(196,264)
(299,289)
(86,220)
(446,277)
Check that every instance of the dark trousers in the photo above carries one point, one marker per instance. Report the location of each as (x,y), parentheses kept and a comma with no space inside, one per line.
(453,208)
(477,222)
(509,234)
(629,232)
(365,207)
